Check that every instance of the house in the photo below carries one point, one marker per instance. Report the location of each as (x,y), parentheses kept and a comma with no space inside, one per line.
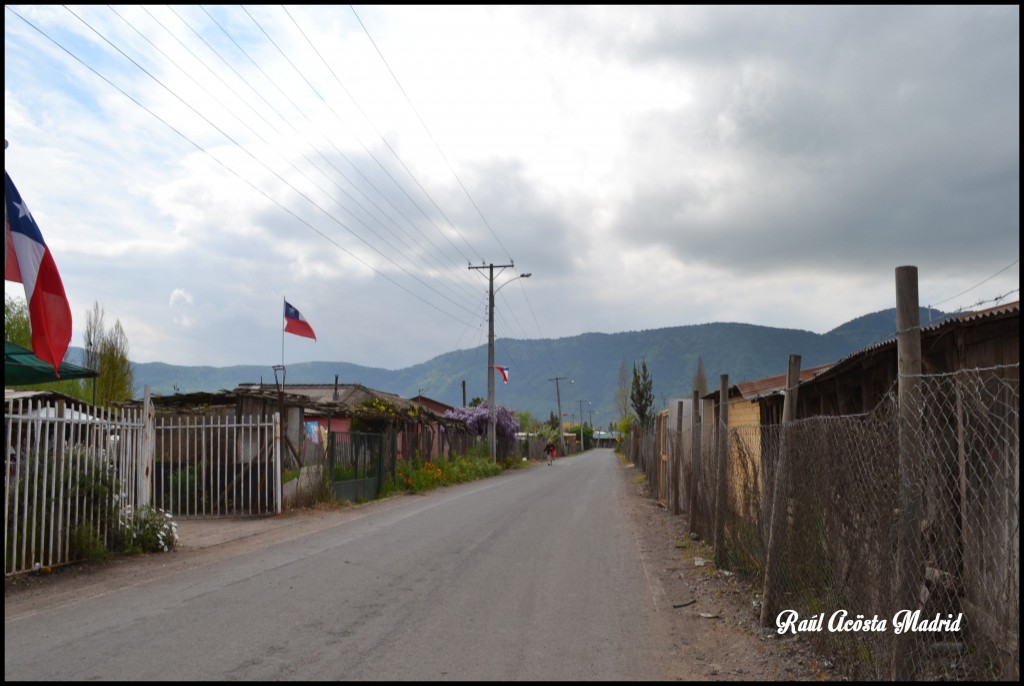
(606,439)
(749,415)
(857,383)
(418,427)
(431,404)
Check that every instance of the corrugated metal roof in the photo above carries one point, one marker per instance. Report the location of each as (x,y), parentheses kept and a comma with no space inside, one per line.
(752,390)
(316,397)
(958,320)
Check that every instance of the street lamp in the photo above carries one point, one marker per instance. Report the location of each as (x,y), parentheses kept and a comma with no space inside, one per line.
(492,438)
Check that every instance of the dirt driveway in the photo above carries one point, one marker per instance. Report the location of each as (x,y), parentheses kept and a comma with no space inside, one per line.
(708,617)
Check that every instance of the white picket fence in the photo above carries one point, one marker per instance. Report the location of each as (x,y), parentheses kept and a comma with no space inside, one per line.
(72,473)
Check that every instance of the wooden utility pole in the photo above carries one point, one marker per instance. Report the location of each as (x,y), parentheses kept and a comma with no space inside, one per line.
(780,499)
(558,399)
(491,433)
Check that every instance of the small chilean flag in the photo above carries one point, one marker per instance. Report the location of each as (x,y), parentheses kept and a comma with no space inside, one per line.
(504,373)
(295,323)
(29,262)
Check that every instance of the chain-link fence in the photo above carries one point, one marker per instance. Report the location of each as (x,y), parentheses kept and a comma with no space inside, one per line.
(926,500)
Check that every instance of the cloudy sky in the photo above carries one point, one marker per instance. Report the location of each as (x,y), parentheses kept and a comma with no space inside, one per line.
(190,167)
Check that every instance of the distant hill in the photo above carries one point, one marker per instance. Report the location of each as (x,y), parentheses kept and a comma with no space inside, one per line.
(591,361)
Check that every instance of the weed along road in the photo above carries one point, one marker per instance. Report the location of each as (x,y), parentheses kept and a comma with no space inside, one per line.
(531,575)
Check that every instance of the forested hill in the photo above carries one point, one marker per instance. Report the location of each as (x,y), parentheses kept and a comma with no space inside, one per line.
(588,365)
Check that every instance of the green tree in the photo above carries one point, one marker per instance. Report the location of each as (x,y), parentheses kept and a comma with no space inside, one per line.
(16,322)
(642,394)
(18,330)
(527,422)
(107,352)
(622,391)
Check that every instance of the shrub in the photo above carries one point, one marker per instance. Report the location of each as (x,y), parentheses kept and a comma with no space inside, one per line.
(148,530)
(416,475)
(85,544)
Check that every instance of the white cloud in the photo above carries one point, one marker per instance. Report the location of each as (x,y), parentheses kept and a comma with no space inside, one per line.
(180,295)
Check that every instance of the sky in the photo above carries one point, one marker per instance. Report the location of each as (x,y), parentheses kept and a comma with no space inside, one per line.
(191,167)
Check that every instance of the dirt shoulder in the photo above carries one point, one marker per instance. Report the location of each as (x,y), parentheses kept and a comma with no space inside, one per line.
(707,615)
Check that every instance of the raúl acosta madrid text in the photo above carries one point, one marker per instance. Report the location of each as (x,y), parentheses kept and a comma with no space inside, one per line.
(789,621)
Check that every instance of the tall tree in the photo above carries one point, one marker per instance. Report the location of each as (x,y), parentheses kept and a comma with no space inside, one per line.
(700,381)
(622,391)
(93,336)
(107,352)
(642,394)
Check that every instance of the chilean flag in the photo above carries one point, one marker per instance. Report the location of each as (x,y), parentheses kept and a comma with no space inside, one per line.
(295,323)
(29,262)
(504,373)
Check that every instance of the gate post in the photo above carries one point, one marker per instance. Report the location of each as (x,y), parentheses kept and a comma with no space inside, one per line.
(144,467)
(277,463)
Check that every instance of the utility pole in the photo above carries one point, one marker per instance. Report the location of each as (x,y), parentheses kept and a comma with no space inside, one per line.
(581,423)
(490,355)
(558,396)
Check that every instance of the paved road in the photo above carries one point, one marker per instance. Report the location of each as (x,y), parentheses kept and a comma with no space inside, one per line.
(532,575)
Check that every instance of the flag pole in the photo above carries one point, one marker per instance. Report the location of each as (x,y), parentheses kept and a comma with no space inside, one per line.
(5,227)
(284,301)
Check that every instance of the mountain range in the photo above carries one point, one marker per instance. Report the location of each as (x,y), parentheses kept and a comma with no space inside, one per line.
(587,366)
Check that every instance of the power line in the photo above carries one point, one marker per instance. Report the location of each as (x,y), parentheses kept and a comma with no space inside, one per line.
(388,145)
(224,166)
(978,284)
(429,134)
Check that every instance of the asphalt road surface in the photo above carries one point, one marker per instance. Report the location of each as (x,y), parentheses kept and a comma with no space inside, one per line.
(532,575)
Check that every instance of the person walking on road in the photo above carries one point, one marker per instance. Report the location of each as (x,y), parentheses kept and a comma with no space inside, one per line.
(549,450)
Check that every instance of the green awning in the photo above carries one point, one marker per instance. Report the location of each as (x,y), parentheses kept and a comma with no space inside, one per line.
(23,368)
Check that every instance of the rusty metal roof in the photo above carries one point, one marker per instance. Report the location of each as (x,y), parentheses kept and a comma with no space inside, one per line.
(316,398)
(752,390)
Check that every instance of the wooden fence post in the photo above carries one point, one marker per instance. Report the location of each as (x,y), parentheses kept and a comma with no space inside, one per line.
(677,461)
(780,497)
(720,491)
(696,462)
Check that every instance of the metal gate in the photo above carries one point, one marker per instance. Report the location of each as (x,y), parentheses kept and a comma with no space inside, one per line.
(213,466)
(71,466)
(356,463)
